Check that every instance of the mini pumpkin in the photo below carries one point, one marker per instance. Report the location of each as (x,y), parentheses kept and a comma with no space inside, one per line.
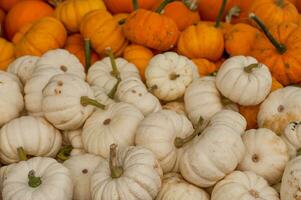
(126,6)
(239,11)
(74,138)
(4,170)
(8,53)
(176,106)
(8,4)
(101,96)
(205,67)
(291,137)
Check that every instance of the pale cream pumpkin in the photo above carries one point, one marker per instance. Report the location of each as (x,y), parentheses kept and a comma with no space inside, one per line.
(243,185)
(176,106)
(3,176)
(130,173)
(101,96)
(34,134)
(160,132)
(244,80)
(280,108)
(74,138)
(174,187)
(115,124)
(216,152)
(169,74)
(133,91)
(23,67)
(292,138)
(266,154)
(11,97)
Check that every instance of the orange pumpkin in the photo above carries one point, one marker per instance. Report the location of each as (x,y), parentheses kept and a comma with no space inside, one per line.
(293,1)
(71,12)
(298,5)
(23,13)
(239,12)
(40,36)
(2,18)
(7,55)
(104,32)
(279,49)
(120,18)
(274,12)
(209,9)
(239,39)
(126,6)
(8,4)
(151,29)
(183,16)
(138,55)
(75,45)
(205,67)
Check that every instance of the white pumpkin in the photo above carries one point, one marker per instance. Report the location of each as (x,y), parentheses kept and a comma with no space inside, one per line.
(34,134)
(74,138)
(3,176)
(202,99)
(174,187)
(132,173)
(116,124)
(11,97)
(81,168)
(23,67)
(62,104)
(292,138)
(291,180)
(176,106)
(100,75)
(280,108)
(243,80)
(133,91)
(168,75)
(38,179)
(266,154)
(243,185)
(216,152)
(160,132)
(101,96)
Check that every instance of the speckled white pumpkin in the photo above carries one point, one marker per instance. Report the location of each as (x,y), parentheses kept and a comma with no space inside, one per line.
(61,103)
(243,80)
(243,185)
(34,134)
(74,138)
(292,138)
(11,97)
(133,91)
(169,74)
(266,154)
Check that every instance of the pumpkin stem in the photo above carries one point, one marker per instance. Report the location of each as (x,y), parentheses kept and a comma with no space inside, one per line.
(220,14)
(162,6)
(64,153)
(179,142)
(114,72)
(33,181)
(280,47)
(250,67)
(84,100)
(280,3)
(191,4)
(87,54)
(21,154)
(116,171)
(225,101)
(233,12)
(135,4)
(114,89)
(122,21)
(55,3)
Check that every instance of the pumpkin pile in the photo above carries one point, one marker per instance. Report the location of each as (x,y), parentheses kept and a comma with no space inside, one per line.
(150,99)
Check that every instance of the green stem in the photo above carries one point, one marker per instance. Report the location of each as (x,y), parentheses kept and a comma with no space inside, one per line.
(116,171)
(180,142)
(162,5)
(135,4)
(281,48)
(21,154)
(234,11)
(114,73)
(122,21)
(64,153)
(85,101)
(114,89)
(280,3)
(34,181)
(191,4)
(220,14)
(225,101)
(87,54)
(250,67)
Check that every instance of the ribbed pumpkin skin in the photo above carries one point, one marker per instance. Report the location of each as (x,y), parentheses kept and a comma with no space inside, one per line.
(272,14)
(104,32)
(126,6)
(209,9)
(205,67)
(151,29)
(7,55)
(24,13)
(284,67)
(71,12)
(42,35)
(201,41)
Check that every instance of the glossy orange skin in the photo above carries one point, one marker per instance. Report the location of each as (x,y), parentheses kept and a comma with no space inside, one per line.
(104,32)
(284,67)
(209,9)
(244,6)
(7,55)
(126,6)
(272,14)
(121,16)
(151,29)
(201,41)
(24,13)
(39,37)
(205,67)
(240,38)
(183,16)
(75,45)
